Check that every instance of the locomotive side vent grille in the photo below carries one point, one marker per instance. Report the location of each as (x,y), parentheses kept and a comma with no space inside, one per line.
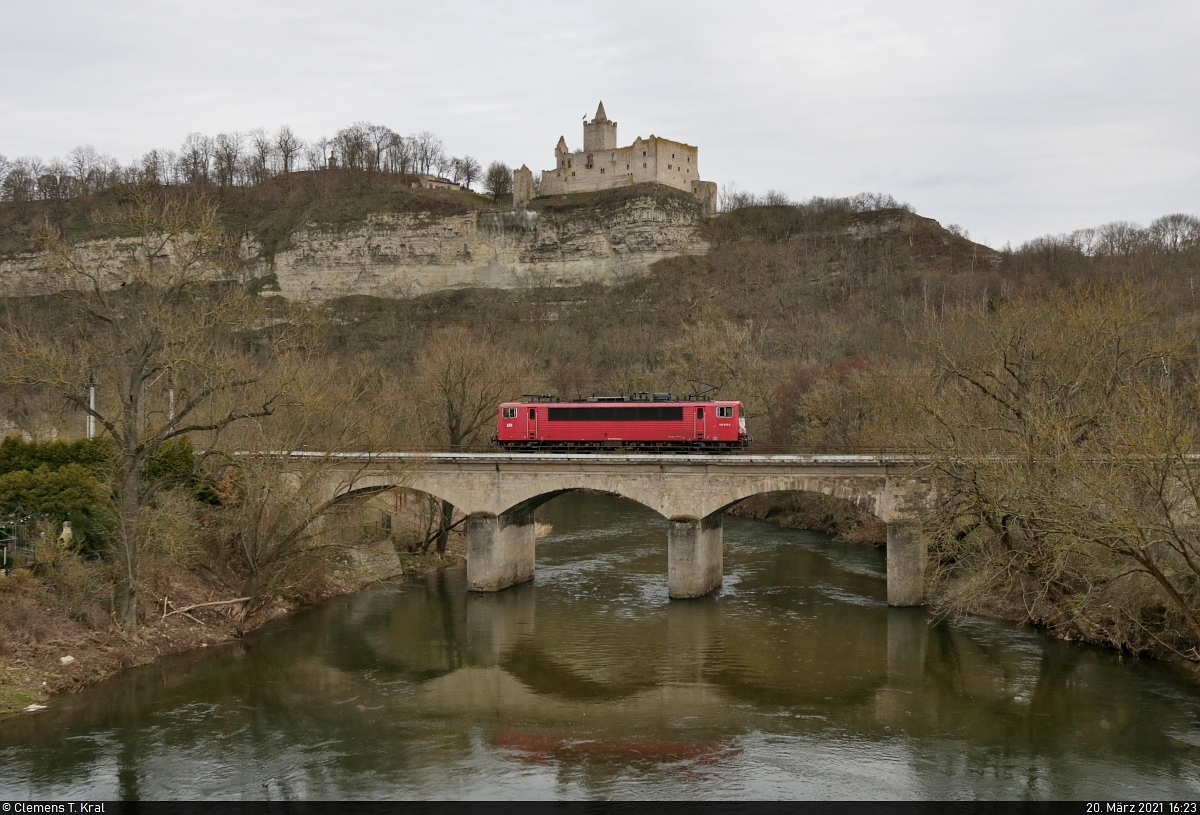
(616,414)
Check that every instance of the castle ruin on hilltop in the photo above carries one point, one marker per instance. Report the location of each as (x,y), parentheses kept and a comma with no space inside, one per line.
(601,165)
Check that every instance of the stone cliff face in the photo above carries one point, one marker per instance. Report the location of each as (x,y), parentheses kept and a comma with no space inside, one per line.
(401,254)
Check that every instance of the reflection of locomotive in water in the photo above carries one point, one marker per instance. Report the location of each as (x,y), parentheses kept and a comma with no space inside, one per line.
(644,421)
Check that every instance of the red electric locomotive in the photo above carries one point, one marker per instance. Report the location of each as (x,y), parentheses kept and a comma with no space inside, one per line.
(643,421)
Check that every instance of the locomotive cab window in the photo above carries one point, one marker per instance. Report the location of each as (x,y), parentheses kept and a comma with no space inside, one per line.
(725,412)
(533,413)
(510,413)
(699,413)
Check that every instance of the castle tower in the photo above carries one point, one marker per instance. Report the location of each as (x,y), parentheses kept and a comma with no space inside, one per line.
(599,133)
(522,187)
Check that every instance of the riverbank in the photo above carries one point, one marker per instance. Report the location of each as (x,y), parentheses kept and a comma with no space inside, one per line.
(816,512)
(54,640)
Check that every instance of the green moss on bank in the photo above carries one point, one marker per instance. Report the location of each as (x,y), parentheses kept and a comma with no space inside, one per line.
(13,697)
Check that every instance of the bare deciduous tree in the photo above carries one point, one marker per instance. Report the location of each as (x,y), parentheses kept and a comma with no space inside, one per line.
(733,197)
(20,182)
(284,501)
(1176,233)
(468,171)
(156,305)
(195,158)
(1063,430)
(156,167)
(317,153)
(353,146)
(427,150)
(498,180)
(381,138)
(262,151)
(84,162)
(460,380)
(227,155)
(398,156)
(288,147)
(445,165)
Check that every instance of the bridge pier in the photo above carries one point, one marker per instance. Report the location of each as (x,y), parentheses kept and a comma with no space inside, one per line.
(499,549)
(906,554)
(694,556)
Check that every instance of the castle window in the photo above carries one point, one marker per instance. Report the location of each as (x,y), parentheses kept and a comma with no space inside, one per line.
(668,166)
(643,152)
(672,155)
(601,171)
(643,165)
(572,174)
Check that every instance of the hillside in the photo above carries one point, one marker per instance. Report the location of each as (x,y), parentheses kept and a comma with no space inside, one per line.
(628,289)
(329,234)
(320,235)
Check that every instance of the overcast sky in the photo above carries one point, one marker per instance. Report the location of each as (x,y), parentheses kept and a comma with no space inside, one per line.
(1012,119)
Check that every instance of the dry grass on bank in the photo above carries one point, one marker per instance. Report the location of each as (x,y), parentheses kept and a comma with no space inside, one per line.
(55,640)
(66,611)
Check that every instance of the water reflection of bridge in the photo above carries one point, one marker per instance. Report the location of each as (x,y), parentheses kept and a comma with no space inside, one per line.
(646,674)
(498,492)
(391,683)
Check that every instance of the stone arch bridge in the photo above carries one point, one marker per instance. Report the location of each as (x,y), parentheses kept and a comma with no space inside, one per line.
(498,492)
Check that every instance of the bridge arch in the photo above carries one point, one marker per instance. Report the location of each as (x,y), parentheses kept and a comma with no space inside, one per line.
(528,498)
(646,498)
(816,511)
(871,498)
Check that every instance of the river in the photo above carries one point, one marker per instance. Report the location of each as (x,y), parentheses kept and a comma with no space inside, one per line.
(795,680)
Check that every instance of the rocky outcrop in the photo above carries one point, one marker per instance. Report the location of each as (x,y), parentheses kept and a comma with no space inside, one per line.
(24,275)
(407,254)
(395,255)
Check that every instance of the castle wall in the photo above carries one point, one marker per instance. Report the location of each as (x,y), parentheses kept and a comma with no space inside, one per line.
(706,191)
(658,160)
(677,164)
